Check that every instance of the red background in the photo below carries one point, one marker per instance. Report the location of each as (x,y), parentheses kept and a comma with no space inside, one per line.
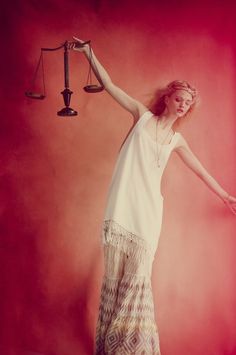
(55,172)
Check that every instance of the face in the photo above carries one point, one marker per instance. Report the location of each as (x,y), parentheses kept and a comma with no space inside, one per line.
(179,103)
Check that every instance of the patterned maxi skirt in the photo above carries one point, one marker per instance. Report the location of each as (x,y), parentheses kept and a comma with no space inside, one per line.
(126,323)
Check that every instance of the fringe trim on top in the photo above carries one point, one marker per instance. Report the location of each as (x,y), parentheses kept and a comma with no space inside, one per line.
(116,235)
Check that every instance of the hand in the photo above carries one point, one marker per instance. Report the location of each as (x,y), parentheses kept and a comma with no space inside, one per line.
(231,204)
(79,45)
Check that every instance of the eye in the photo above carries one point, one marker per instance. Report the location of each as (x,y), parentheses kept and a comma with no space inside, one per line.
(177,99)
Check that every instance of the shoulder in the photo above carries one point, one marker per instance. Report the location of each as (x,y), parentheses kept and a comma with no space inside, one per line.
(141,112)
(181,142)
(144,111)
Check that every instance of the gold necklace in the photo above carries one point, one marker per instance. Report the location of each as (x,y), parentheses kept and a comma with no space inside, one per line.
(158,152)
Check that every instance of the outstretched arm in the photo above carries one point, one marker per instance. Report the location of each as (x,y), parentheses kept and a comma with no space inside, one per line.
(135,107)
(186,154)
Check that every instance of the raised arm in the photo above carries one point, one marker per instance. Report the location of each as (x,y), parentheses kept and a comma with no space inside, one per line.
(135,107)
(188,157)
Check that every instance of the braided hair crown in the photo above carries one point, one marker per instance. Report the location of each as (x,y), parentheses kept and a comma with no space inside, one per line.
(181,85)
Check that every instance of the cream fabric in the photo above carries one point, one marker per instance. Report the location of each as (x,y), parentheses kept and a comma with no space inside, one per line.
(134,201)
(126,321)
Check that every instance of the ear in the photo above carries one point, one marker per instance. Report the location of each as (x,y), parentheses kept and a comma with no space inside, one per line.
(166,99)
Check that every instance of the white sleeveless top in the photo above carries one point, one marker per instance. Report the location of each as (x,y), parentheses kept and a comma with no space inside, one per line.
(134,201)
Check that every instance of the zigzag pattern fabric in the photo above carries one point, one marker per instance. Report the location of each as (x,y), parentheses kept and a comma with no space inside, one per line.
(126,323)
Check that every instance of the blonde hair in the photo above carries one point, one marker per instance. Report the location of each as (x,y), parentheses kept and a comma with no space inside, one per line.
(158,105)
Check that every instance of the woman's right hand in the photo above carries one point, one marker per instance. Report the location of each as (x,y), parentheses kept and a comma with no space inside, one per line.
(79,45)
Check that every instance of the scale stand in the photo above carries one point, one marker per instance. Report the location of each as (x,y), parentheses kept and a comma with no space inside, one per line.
(66,93)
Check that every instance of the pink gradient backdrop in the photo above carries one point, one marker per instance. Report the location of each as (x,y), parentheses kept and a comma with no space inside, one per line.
(55,173)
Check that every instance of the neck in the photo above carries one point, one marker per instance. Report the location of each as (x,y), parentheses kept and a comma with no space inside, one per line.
(167,120)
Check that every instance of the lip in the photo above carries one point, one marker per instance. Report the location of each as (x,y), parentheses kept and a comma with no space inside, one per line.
(180,110)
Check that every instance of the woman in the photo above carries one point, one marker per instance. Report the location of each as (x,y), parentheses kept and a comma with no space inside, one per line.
(133,214)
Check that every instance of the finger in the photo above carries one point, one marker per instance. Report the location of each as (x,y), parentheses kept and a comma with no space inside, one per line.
(229,205)
(233,210)
(77,39)
(233,207)
(232,199)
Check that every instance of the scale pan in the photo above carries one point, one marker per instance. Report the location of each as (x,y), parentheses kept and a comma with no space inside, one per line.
(93,88)
(34,95)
